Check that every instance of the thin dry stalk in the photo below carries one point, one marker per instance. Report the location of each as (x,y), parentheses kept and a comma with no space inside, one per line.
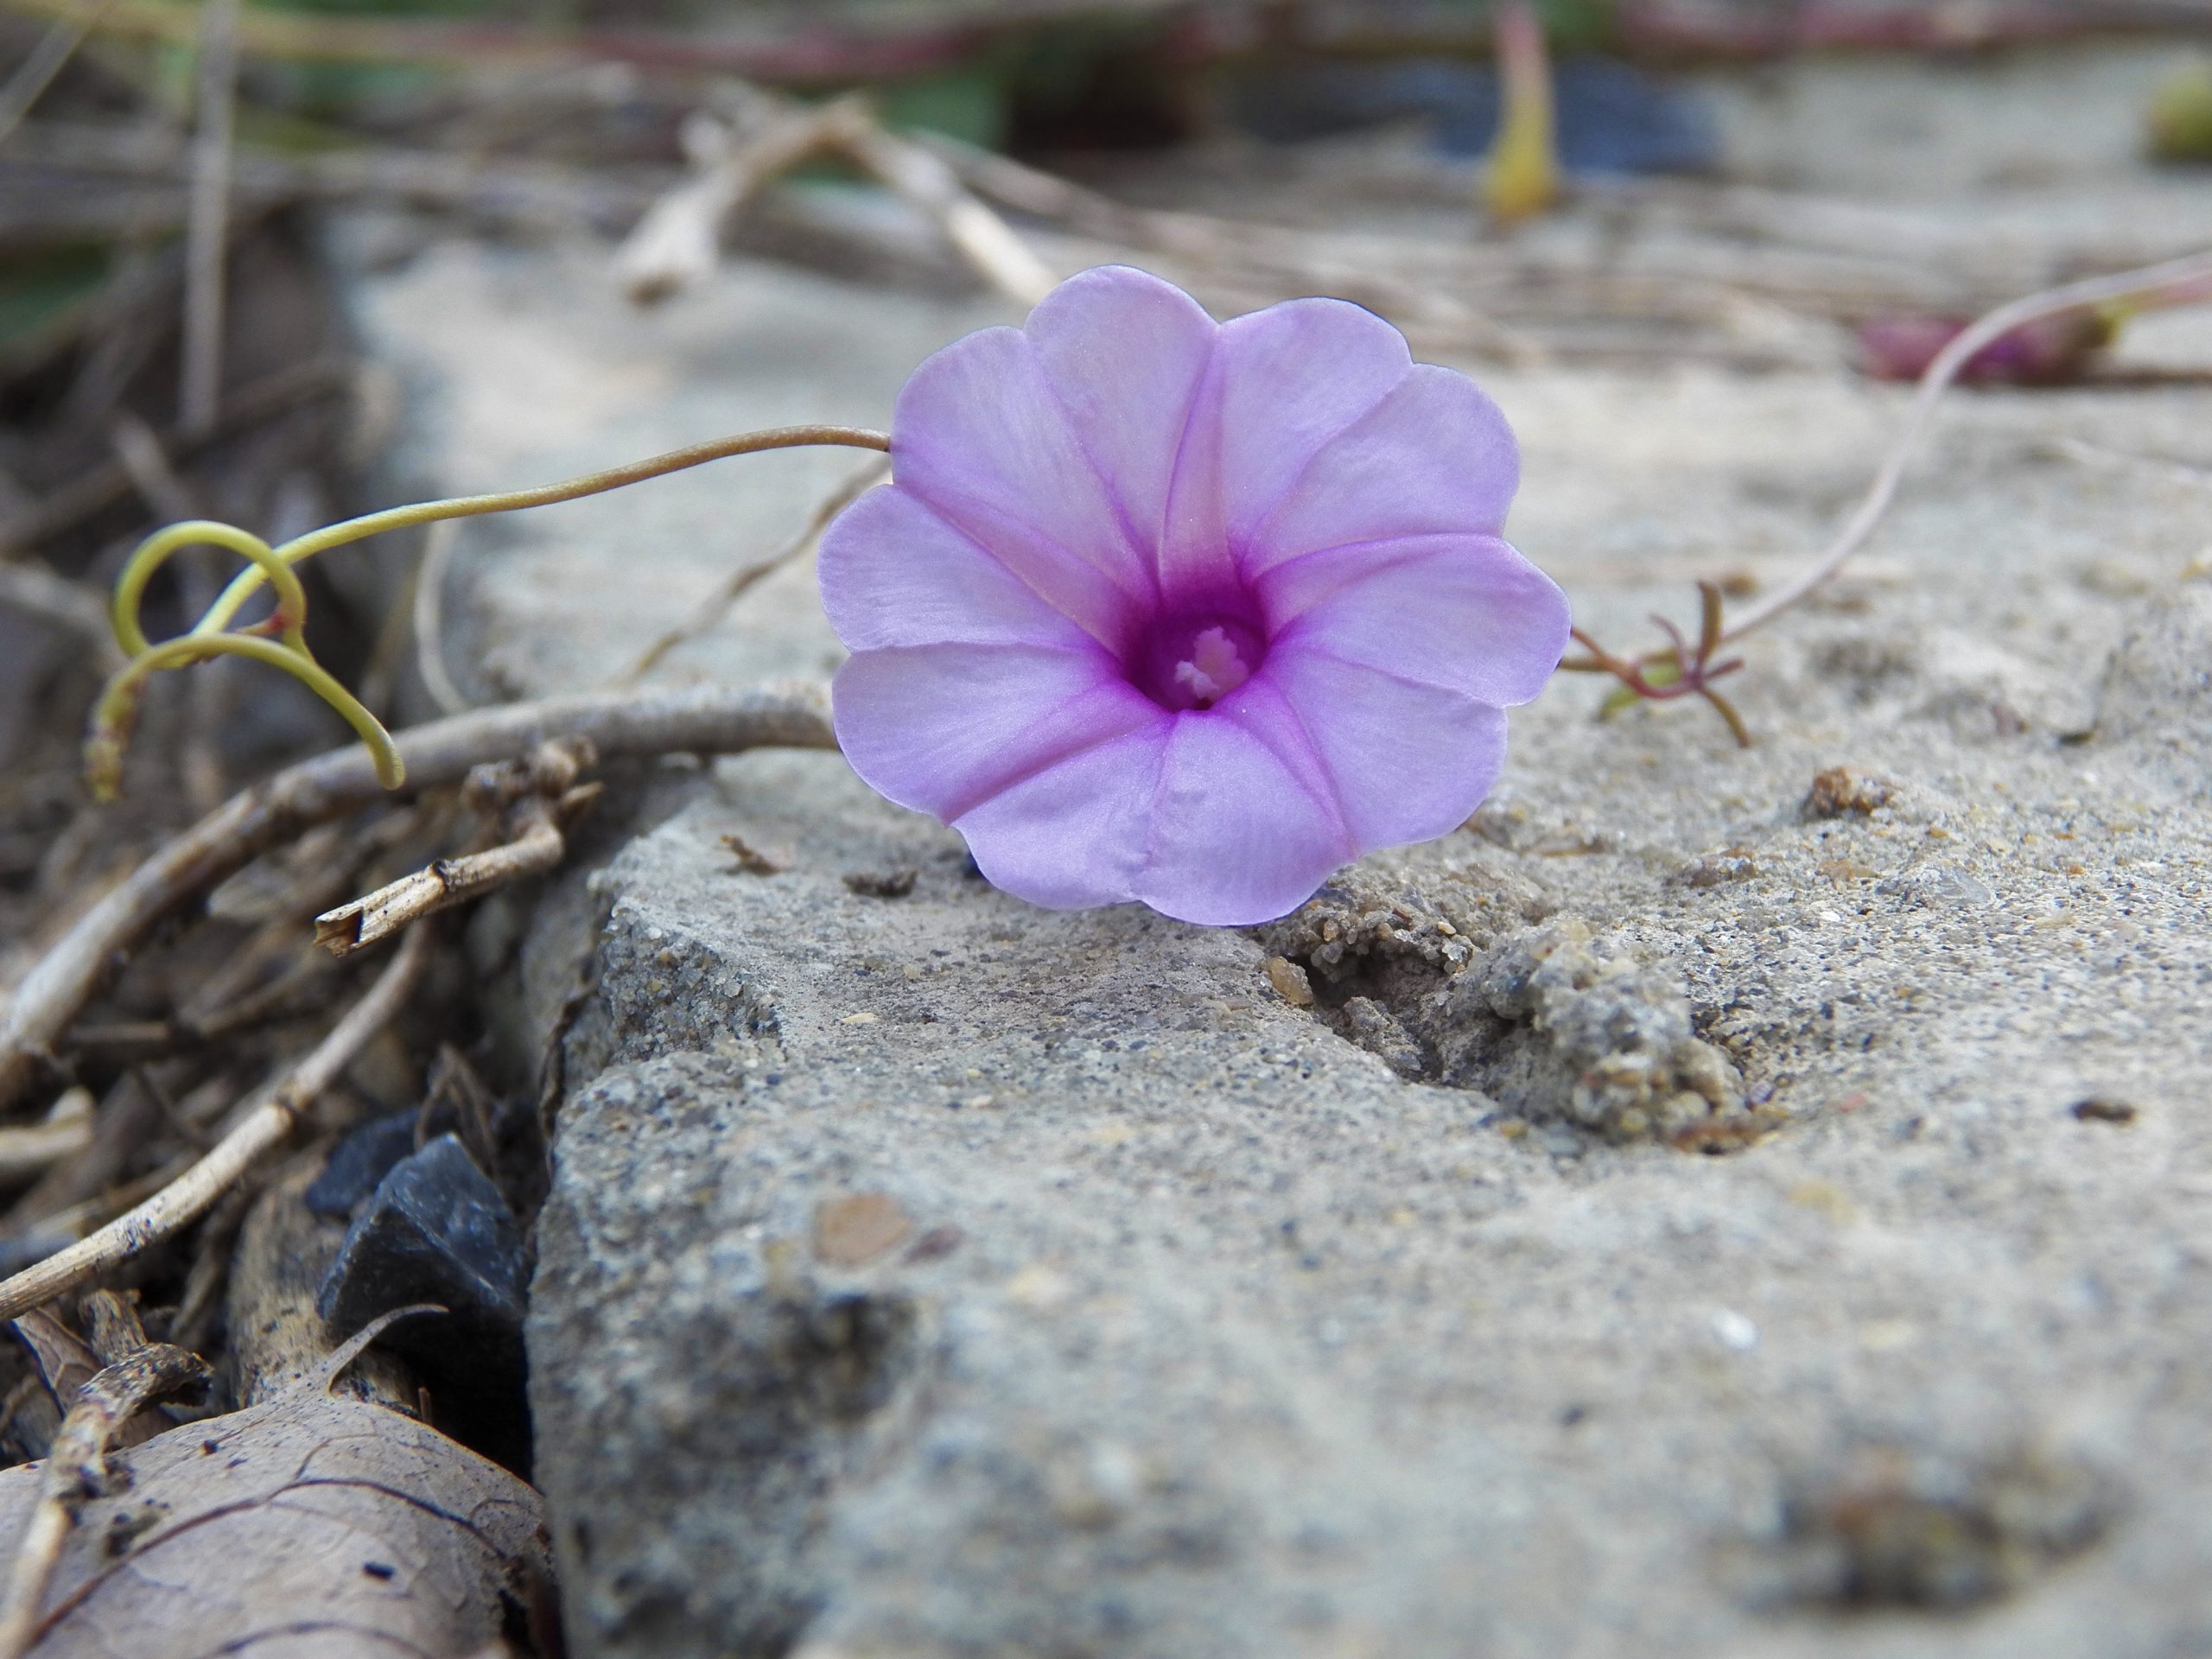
(863,479)
(145,459)
(58,600)
(429,603)
(47,59)
(208,227)
(266,1127)
(77,1470)
(707,720)
(447,882)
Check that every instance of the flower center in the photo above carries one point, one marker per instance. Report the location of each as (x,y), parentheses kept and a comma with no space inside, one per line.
(1195,662)
(1212,670)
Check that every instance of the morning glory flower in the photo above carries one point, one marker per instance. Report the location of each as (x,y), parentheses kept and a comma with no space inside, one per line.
(1188,613)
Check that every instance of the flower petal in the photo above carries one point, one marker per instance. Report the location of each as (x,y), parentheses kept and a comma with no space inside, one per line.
(1283,383)
(1409,761)
(941,727)
(1072,834)
(1465,613)
(1125,352)
(979,434)
(896,572)
(1235,837)
(1434,457)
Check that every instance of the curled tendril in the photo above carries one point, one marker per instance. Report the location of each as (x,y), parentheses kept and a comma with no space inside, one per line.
(279,638)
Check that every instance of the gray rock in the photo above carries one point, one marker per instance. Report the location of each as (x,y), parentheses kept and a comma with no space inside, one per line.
(936,1276)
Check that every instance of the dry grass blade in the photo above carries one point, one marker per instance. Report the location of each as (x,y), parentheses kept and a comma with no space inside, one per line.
(77,1471)
(710,720)
(207,224)
(429,604)
(267,1126)
(47,60)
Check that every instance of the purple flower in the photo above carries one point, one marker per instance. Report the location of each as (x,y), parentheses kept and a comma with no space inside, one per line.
(1188,613)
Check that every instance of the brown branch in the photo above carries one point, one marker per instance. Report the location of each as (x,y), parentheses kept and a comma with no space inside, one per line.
(261,1130)
(707,720)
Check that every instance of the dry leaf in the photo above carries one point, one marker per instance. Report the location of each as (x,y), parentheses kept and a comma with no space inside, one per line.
(318,1524)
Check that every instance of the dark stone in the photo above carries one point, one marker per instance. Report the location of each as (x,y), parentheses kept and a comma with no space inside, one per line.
(436,1231)
(359,1162)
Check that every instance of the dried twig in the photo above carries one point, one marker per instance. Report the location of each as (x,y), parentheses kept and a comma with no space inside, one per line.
(976,233)
(77,1470)
(710,720)
(678,242)
(207,224)
(31,1150)
(278,1341)
(535,844)
(718,605)
(267,1126)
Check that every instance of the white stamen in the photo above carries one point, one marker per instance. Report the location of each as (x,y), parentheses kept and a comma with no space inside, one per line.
(1213,668)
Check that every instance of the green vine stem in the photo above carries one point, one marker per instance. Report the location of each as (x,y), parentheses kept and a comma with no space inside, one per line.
(279,638)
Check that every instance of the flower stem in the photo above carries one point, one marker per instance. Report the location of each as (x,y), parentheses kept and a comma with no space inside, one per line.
(279,638)
(471,506)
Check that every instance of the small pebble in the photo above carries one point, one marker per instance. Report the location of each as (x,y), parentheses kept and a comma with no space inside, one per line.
(1290,981)
(1736,1332)
(882,883)
(2099,1109)
(856,1229)
(1836,791)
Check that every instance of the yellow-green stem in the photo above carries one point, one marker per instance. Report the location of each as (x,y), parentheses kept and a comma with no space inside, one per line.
(119,705)
(469,507)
